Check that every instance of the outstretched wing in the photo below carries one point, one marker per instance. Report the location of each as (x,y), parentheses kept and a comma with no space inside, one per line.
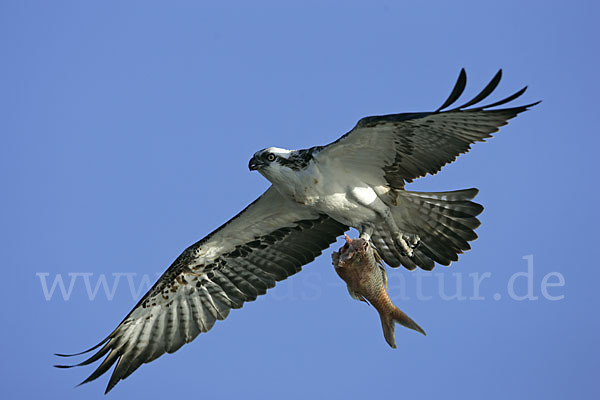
(398,148)
(267,242)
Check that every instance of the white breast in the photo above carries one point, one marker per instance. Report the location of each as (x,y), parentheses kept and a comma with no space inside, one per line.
(332,191)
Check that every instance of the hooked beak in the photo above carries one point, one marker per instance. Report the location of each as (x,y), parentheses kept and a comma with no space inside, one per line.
(254,164)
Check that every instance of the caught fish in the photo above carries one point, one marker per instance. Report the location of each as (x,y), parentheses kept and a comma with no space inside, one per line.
(359,265)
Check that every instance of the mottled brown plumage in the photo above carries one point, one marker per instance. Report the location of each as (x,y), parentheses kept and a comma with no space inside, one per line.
(359,265)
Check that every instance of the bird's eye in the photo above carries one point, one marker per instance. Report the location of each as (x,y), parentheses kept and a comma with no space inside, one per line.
(271,157)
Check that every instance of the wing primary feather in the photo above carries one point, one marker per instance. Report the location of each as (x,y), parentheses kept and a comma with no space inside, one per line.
(484,93)
(506,100)
(96,356)
(154,350)
(219,300)
(198,312)
(459,88)
(209,314)
(130,351)
(103,367)
(81,352)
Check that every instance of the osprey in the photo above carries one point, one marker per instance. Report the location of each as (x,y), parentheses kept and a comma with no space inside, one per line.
(316,195)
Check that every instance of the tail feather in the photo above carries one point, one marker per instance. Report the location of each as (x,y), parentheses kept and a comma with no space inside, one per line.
(388,323)
(444,221)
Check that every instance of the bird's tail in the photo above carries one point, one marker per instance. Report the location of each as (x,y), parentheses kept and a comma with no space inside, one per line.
(444,222)
(388,323)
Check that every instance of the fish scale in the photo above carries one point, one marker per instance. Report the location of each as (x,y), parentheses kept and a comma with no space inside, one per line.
(359,265)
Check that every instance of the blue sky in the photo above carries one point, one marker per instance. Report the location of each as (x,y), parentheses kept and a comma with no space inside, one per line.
(127,129)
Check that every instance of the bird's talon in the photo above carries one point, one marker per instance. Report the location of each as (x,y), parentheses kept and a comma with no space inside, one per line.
(406,243)
(414,241)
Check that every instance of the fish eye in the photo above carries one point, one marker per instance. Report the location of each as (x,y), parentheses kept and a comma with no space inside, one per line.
(271,157)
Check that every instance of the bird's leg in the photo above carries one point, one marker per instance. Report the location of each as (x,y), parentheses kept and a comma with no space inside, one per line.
(405,242)
(369,199)
(366,231)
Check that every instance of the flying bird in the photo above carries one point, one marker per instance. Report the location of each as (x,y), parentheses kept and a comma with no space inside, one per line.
(316,195)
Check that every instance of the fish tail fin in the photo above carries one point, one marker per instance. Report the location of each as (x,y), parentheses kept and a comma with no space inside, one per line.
(389,320)
(388,325)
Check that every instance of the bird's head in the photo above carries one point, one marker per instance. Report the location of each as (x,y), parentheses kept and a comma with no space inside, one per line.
(269,159)
(279,165)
